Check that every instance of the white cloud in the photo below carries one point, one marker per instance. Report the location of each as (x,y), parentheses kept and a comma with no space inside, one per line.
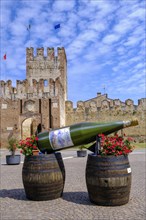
(111,38)
(104,42)
(124,26)
(132,41)
(63,5)
(139,13)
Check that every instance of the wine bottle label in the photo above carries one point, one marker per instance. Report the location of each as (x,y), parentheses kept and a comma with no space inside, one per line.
(60,138)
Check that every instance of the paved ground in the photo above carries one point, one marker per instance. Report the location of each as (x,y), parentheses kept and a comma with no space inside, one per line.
(75,204)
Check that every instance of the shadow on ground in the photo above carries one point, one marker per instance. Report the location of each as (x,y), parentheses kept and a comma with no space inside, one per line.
(77,197)
(18,194)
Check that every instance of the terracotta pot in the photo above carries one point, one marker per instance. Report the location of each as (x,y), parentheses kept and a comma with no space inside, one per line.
(35,152)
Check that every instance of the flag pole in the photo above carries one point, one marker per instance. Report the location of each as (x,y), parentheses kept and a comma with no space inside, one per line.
(5,69)
(5,59)
(104,89)
(28,29)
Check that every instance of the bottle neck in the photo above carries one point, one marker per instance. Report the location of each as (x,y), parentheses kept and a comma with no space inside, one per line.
(129,123)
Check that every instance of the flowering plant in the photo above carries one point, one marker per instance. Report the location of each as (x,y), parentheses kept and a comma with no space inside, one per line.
(115,145)
(12,145)
(28,145)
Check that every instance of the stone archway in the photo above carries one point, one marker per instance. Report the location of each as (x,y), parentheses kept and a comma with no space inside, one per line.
(28,127)
(29,124)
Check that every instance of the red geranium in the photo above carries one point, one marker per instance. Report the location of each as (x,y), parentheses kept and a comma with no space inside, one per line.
(28,145)
(116,145)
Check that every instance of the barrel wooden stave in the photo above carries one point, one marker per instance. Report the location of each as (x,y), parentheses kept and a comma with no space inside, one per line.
(107,179)
(43,176)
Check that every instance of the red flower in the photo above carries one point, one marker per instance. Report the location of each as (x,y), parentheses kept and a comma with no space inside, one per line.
(28,145)
(35,147)
(36,138)
(115,145)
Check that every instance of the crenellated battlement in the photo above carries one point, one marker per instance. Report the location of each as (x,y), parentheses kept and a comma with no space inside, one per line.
(39,88)
(41,66)
(103,107)
(31,55)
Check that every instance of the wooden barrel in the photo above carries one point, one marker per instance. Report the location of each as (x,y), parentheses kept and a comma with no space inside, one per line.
(108,179)
(43,176)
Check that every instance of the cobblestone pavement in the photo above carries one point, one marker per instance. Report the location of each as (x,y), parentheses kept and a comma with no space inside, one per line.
(75,204)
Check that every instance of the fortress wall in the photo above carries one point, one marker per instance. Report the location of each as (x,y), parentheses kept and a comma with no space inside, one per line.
(9,119)
(109,111)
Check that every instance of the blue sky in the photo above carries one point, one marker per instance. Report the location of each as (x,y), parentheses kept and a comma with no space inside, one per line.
(104,42)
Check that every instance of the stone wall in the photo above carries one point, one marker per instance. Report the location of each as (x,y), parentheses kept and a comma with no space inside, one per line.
(104,109)
(8,118)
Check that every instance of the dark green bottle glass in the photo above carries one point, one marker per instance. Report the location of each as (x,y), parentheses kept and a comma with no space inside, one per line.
(78,134)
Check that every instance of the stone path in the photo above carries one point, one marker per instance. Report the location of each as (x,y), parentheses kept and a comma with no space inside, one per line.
(75,204)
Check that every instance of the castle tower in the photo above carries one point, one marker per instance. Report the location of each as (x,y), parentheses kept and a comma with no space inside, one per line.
(38,102)
(51,74)
(50,67)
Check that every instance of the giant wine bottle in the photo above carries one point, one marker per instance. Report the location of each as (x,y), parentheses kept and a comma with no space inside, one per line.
(78,134)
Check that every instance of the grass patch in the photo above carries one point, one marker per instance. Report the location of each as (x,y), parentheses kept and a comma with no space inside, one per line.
(139,145)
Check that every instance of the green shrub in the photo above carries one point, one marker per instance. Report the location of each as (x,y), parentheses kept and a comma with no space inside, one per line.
(12,145)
